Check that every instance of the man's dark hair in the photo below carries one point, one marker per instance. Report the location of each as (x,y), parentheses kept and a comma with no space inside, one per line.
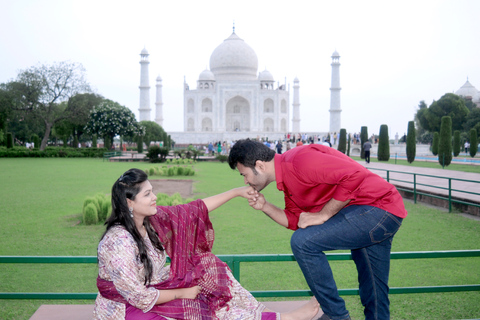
(247,152)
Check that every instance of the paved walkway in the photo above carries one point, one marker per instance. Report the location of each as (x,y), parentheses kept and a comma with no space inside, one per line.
(467,181)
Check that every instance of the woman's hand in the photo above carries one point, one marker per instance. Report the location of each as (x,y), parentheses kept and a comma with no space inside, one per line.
(180,293)
(189,293)
(248,193)
(258,201)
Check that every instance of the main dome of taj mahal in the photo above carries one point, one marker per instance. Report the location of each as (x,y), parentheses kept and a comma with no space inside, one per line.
(234,59)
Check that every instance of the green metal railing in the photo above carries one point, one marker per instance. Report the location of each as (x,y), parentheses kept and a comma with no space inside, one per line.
(448,189)
(234,262)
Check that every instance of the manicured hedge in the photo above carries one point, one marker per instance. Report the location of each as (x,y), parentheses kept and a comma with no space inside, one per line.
(52,152)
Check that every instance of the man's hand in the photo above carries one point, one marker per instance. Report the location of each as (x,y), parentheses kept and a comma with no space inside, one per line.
(307,219)
(248,193)
(257,201)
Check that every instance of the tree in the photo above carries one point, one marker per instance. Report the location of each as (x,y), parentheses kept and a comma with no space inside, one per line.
(449,105)
(456,143)
(411,142)
(5,106)
(420,119)
(342,141)
(39,90)
(153,132)
(473,142)
(473,121)
(78,111)
(435,143)
(383,144)
(445,142)
(363,139)
(110,119)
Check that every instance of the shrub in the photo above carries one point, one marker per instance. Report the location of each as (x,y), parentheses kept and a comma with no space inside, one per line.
(9,140)
(342,141)
(106,210)
(383,144)
(94,141)
(411,142)
(435,143)
(171,171)
(91,200)
(90,214)
(103,206)
(456,143)
(445,142)
(163,199)
(363,139)
(176,199)
(140,144)
(348,145)
(36,141)
(222,158)
(473,142)
(180,171)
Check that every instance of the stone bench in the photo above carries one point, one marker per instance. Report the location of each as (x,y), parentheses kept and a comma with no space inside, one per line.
(85,311)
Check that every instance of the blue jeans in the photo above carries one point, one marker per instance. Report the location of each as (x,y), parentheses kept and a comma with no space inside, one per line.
(368,232)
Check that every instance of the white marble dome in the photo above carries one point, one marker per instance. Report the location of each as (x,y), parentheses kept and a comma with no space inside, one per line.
(468,90)
(233,59)
(265,75)
(206,75)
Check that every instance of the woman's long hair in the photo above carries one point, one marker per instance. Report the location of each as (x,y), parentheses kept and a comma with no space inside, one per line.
(127,187)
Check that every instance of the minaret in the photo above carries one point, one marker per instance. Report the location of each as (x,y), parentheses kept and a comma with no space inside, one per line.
(159,103)
(335,110)
(144,108)
(296,107)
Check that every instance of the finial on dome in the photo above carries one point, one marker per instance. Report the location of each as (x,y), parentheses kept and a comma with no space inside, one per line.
(233,26)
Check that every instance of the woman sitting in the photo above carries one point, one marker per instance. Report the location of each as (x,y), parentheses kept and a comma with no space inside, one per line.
(135,283)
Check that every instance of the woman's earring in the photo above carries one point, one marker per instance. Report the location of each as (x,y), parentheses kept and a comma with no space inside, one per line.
(131,212)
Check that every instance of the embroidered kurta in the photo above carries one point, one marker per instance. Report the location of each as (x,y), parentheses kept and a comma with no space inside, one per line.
(119,263)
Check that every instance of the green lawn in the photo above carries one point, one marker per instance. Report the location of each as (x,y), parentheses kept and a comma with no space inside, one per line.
(41,201)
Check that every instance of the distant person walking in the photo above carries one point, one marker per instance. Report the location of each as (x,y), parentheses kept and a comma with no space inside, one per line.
(279,147)
(367,146)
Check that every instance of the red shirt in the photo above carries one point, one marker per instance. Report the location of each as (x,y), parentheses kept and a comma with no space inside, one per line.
(311,175)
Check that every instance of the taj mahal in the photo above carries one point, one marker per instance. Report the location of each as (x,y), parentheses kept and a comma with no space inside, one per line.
(232,100)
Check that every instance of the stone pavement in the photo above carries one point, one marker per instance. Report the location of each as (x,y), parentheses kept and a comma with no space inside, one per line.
(433,177)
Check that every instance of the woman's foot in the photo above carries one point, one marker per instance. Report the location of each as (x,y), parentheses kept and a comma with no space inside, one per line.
(306,312)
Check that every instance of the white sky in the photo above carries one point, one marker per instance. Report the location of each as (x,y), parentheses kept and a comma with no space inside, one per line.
(393,53)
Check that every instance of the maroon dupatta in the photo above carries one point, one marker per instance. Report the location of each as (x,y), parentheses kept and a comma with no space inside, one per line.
(187,235)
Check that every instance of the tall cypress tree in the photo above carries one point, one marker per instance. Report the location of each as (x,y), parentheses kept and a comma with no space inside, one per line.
(383,144)
(348,145)
(411,142)
(342,141)
(9,140)
(363,139)
(139,144)
(473,142)
(445,142)
(456,143)
(435,141)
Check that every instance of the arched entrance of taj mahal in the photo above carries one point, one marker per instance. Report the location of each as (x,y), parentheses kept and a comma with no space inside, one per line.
(237,115)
